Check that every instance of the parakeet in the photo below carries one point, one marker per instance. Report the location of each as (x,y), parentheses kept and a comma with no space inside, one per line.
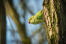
(36,19)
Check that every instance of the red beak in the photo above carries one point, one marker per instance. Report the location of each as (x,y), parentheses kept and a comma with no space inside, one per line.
(29,22)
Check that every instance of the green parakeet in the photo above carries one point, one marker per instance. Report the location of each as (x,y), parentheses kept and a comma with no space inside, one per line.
(36,19)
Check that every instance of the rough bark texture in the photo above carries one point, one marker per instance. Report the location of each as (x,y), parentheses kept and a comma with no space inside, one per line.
(2,23)
(54,18)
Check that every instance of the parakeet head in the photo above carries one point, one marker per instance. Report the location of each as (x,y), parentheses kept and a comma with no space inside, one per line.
(30,19)
(36,19)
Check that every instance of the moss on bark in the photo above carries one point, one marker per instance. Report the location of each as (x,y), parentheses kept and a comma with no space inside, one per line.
(53,16)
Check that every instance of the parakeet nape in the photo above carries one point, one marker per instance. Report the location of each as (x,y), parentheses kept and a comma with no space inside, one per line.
(36,19)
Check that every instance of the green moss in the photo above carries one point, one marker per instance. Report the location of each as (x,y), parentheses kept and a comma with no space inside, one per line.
(53,39)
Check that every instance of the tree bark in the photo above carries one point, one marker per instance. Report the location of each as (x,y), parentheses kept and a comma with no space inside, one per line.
(2,23)
(54,18)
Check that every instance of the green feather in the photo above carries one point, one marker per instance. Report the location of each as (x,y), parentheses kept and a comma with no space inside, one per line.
(36,19)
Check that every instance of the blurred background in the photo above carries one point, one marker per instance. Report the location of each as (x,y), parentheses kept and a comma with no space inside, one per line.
(18,30)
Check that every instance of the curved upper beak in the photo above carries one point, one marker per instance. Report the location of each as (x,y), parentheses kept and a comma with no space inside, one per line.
(29,22)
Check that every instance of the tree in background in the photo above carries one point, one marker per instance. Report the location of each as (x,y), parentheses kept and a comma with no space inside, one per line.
(2,23)
(15,16)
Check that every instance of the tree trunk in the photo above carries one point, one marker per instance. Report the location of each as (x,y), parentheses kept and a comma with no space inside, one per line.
(2,23)
(54,18)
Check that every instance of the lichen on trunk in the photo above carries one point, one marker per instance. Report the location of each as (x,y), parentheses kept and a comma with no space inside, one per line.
(51,20)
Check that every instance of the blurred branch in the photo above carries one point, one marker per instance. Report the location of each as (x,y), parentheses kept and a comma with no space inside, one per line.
(11,13)
(38,30)
(24,6)
(41,33)
(12,31)
(2,23)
